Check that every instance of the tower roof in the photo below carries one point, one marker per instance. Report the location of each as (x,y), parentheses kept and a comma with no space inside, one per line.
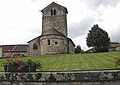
(52,31)
(54,4)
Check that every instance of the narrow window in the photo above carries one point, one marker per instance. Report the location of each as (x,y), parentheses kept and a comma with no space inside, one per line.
(54,12)
(56,43)
(35,47)
(51,12)
(48,42)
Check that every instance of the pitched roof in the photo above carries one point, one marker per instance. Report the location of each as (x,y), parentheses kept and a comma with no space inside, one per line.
(15,48)
(52,31)
(71,41)
(34,39)
(18,48)
(53,4)
(7,47)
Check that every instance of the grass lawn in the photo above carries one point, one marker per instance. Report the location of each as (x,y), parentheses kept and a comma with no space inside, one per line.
(62,62)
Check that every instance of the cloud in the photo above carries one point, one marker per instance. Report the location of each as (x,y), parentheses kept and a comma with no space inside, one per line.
(111,23)
(33,0)
(79,29)
(96,3)
(115,34)
(34,30)
(81,40)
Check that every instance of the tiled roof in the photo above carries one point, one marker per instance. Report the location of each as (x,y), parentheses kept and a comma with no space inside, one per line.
(7,47)
(52,31)
(15,48)
(20,48)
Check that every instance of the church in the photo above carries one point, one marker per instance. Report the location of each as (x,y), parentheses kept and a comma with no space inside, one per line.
(54,37)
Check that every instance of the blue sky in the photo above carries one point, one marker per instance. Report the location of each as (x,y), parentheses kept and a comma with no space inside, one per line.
(21,20)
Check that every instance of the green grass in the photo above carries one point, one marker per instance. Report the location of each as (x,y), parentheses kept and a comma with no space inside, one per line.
(63,62)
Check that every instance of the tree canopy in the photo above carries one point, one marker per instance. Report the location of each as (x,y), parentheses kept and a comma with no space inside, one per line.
(98,39)
(78,49)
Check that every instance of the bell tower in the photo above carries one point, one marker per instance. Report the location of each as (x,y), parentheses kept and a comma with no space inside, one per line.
(54,16)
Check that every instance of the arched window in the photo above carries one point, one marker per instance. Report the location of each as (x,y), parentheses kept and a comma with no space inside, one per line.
(48,42)
(51,12)
(54,12)
(35,47)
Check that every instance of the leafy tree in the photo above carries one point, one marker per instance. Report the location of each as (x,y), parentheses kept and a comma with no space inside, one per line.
(98,39)
(78,49)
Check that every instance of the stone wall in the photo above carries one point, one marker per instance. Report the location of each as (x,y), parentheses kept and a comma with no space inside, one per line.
(31,51)
(107,77)
(58,44)
(71,47)
(54,16)
(57,21)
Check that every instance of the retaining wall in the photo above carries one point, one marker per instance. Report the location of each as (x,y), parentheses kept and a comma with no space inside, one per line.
(104,77)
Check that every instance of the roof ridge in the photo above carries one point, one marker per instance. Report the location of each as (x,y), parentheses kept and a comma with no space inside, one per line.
(52,31)
(56,4)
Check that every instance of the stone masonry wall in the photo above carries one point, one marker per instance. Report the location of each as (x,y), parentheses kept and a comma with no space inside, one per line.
(105,77)
(58,21)
(58,44)
(31,51)
(71,47)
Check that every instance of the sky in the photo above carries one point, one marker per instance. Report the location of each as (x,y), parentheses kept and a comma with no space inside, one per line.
(21,20)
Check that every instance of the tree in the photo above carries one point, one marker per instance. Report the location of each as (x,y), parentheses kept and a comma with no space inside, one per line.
(78,49)
(98,39)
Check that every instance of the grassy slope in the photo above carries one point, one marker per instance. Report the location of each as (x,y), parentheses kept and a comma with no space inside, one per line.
(91,61)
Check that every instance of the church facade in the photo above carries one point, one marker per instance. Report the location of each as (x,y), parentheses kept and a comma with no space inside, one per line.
(54,38)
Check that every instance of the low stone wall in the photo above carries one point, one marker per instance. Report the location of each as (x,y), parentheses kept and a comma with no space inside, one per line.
(104,77)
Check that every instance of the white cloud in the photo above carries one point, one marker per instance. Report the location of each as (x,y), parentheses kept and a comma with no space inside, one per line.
(110,22)
(81,40)
(17,18)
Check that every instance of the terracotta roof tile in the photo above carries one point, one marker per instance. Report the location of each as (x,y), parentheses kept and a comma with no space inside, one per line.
(14,48)
(52,31)
(7,47)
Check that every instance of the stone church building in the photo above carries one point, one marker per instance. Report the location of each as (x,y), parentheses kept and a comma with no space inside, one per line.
(54,38)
